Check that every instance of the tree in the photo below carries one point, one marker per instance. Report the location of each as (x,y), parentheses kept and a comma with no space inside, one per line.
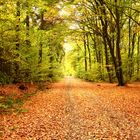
(106,21)
(24,40)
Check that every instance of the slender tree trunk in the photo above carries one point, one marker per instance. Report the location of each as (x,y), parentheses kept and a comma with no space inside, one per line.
(107,61)
(85,52)
(95,46)
(40,54)
(89,53)
(100,63)
(17,25)
(132,55)
(138,59)
(129,51)
(27,24)
(51,59)
(78,58)
(131,47)
(16,78)
(40,46)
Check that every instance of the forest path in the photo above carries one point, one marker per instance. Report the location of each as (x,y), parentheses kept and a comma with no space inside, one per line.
(76,110)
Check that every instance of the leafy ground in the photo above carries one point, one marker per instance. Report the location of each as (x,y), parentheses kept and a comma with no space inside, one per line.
(76,110)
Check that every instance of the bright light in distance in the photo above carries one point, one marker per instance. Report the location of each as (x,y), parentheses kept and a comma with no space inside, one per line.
(60,5)
(67,47)
(74,26)
(64,13)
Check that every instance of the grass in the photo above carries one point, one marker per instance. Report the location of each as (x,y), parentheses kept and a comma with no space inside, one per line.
(10,104)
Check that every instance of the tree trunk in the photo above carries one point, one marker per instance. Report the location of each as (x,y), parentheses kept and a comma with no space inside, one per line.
(119,59)
(51,59)
(40,54)
(89,53)
(129,51)
(138,59)
(85,52)
(27,24)
(40,47)
(132,55)
(17,25)
(107,61)
(16,78)
(95,46)
(116,60)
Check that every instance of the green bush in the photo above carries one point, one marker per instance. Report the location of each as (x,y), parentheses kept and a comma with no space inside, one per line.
(4,79)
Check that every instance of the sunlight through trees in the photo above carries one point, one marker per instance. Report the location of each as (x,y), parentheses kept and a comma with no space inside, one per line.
(105,38)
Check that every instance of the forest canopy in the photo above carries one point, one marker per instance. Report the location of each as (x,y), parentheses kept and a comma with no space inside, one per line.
(104,35)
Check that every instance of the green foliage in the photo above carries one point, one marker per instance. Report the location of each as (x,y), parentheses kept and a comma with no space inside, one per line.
(21,35)
(12,103)
(4,78)
(106,41)
(32,34)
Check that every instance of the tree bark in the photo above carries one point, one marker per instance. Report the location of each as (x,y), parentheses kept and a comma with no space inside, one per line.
(107,61)
(138,59)
(89,53)
(40,46)
(85,52)
(119,68)
(116,60)
(27,21)
(16,78)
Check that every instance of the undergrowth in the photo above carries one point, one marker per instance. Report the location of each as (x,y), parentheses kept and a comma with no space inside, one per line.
(9,104)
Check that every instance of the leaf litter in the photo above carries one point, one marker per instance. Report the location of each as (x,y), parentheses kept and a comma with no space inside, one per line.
(76,110)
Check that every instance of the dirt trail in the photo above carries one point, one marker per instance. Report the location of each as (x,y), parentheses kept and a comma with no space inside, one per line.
(77,110)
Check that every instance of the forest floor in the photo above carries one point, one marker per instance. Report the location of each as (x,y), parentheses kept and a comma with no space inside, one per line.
(75,110)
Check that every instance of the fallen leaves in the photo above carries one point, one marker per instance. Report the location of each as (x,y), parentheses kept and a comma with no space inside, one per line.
(77,110)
